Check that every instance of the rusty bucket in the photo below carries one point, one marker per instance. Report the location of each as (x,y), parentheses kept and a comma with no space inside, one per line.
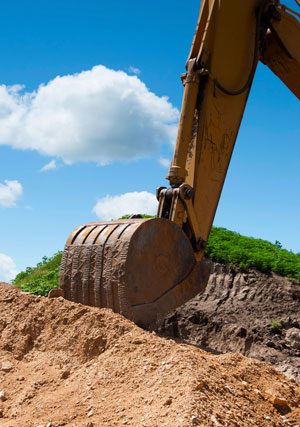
(141,268)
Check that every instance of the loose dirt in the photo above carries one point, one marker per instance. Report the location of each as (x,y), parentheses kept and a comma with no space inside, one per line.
(249,312)
(62,363)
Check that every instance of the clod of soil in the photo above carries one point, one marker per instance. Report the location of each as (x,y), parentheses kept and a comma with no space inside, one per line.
(66,364)
(247,312)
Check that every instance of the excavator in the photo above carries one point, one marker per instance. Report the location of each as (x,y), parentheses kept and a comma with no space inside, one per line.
(145,267)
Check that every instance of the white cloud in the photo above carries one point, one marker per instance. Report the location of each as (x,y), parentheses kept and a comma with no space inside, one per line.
(8,269)
(134,70)
(113,207)
(49,166)
(164,162)
(10,192)
(98,115)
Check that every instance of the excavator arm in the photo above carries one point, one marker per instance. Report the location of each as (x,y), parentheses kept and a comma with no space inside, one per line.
(231,37)
(143,268)
(281,47)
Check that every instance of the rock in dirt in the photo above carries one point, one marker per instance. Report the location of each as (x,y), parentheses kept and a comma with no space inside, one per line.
(2,396)
(65,374)
(6,366)
(55,293)
(106,356)
(279,401)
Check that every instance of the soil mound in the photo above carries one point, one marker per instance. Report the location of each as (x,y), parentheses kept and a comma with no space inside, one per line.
(63,364)
(251,313)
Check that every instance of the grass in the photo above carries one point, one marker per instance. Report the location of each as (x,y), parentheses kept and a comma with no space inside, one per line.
(41,279)
(224,246)
(276,325)
(228,247)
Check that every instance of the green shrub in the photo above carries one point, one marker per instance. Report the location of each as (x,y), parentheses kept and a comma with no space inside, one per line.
(41,279)
(276,324)
(228,247)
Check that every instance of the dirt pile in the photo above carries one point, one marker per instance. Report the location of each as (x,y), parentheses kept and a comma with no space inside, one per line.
(65,364)
(252,313)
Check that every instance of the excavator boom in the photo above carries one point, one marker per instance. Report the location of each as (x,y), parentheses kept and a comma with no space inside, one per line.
(231,37)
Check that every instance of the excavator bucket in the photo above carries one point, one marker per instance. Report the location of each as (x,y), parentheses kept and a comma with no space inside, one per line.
(141,268)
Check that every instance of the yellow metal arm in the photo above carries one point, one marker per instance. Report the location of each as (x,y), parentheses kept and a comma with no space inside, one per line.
(231,36)
(281,49)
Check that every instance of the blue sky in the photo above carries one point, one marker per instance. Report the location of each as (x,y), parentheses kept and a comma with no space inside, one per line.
(40,40)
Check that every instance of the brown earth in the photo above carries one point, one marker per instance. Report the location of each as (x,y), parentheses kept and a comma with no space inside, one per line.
(252,313)
(62,363)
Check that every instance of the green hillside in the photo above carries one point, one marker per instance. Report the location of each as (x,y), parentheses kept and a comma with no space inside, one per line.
(224,246)
(40,279)
(229,247)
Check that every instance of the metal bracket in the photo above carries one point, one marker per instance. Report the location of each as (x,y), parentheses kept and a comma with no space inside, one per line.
(176,205)
(186,193)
